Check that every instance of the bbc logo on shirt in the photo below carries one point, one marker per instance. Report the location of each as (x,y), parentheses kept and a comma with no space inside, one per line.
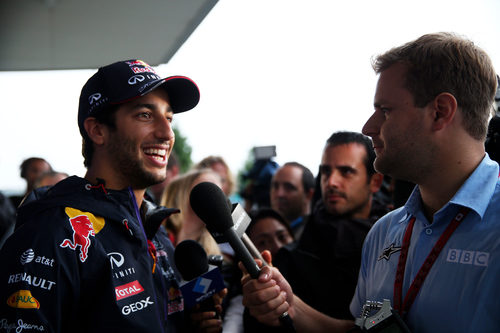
(464,257)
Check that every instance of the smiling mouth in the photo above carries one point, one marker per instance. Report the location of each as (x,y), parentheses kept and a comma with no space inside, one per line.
(157,154)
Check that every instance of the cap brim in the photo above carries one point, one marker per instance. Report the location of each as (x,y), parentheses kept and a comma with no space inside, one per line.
(182,92)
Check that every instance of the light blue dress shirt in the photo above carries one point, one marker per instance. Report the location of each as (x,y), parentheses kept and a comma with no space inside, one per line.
(462,290)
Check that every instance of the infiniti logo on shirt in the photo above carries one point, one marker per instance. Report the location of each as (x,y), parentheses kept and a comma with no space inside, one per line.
(116,259)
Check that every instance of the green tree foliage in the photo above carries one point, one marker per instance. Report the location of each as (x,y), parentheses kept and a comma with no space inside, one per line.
(182,150)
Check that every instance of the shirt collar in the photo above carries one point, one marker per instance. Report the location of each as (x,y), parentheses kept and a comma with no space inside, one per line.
(475,192)
(478,189)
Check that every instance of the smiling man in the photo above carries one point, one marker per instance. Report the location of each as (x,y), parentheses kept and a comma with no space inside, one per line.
(110,266)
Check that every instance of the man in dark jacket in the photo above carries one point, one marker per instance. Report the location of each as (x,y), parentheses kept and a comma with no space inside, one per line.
(89,255)
(322,266)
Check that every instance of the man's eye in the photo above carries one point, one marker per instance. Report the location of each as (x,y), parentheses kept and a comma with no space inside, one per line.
(145,115)
(325,170)
(347,171)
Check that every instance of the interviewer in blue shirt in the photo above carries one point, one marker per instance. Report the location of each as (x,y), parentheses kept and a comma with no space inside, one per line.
(437,258)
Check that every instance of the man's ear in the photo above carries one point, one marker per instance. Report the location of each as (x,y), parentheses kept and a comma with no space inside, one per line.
(95,130)
(376,182)
(444,108)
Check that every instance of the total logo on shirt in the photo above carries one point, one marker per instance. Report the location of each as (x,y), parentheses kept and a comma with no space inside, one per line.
(127,290)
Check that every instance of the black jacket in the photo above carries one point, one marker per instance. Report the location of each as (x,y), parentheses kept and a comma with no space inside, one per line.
(322,266)
(80,260)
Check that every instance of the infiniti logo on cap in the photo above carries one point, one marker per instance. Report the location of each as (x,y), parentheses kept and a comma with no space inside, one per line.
(135,79)
(94,98)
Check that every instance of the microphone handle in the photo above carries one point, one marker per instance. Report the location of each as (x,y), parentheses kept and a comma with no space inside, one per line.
(242,252)
(254,270)
(253,250)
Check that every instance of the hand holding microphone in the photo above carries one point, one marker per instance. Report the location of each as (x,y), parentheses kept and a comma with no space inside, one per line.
(201,282)
(210,204)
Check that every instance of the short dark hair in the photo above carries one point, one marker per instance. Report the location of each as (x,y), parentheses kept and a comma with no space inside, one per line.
(307,176)
(264,212)
(106,117)
(445,62)
(343,138)
(26,163)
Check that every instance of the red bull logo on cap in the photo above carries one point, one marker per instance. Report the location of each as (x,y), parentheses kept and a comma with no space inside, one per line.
(84,226)
(139,66)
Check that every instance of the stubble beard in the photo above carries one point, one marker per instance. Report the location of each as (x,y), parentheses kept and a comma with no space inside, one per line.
(125,157)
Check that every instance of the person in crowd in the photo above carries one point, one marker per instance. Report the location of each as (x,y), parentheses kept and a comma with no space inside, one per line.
(49,178)
(269,230)
(31,169)
(219,165)
(292,188)
(323,264)
(7,218)
(492,143)
(90,255)
(155,191)
(432,104)
(186,224)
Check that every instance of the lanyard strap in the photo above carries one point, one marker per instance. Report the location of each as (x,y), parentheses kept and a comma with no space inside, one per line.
(403,306)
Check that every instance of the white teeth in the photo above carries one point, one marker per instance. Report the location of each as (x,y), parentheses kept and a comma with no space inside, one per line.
(155,151)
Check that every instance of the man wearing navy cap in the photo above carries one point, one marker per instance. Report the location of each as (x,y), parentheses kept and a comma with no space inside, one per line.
(89,254)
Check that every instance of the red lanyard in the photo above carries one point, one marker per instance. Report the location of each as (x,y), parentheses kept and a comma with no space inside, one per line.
(403,306)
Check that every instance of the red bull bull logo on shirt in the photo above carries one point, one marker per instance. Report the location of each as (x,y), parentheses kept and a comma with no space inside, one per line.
(84,226)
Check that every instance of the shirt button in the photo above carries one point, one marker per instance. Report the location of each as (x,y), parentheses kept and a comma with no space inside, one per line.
(428,231)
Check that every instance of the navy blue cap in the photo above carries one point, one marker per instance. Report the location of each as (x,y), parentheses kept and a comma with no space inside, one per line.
(125,80)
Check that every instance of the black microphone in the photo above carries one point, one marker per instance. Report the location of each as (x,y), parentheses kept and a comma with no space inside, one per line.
(210,204)
(201,281)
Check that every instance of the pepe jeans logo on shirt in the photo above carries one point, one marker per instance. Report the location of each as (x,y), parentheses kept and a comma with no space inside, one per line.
(464,257)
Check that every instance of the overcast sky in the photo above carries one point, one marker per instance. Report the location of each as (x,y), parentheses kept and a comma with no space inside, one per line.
(271,72)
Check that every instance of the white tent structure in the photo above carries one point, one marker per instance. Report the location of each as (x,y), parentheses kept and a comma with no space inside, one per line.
(80,34)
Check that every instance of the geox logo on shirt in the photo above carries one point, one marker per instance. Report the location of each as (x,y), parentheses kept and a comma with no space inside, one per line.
(136,306)
(464,257)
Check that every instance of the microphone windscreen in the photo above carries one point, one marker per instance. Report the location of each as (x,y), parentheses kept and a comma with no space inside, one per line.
(191,259)
(210,204)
